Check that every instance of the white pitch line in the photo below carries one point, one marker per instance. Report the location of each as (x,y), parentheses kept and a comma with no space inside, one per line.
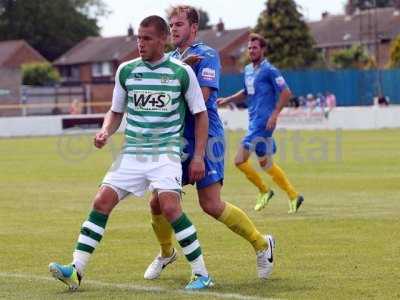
(134,287)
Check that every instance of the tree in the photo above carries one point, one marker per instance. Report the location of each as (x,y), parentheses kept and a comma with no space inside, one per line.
(204,19)
(394,61)
(39,74)
(352,58)
(91,8)
(352,5)
(50,26)
(289,42)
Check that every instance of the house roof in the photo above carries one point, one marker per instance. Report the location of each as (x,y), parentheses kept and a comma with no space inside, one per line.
(221,40)
(366,26)
(96,49)
(8,49)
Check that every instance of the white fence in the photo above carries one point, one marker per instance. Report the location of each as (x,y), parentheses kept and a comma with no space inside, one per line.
(363,117)
(341,117)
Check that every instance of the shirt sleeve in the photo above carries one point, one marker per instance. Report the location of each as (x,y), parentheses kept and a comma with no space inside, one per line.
(194,95)
(277,80)
(209,70)
(119,94)
(244,84)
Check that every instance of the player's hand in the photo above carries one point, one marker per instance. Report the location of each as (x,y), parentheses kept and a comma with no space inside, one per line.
(221,102)
(192,59)
(100,139)
(271,124)
(196,169)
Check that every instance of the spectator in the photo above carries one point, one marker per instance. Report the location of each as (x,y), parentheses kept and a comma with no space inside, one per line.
(383,101)
(321,100)
(311,103)
(294,102)
(75,107)
(330,100)
(330,103)
(56,111)
(302,101)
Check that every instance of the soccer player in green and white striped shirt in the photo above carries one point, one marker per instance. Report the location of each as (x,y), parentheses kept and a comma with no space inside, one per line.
(154,91)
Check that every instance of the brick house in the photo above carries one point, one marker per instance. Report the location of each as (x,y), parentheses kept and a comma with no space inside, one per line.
(94,61)
(230,44)
(373,28)
(13,54)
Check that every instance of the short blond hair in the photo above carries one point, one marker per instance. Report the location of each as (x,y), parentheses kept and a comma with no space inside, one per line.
(257,37)
(191,13)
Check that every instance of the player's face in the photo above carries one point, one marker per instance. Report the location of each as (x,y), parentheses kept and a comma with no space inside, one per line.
(151,43)
(256,53)
(181,30)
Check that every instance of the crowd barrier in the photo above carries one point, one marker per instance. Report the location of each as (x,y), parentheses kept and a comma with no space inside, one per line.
(371,117)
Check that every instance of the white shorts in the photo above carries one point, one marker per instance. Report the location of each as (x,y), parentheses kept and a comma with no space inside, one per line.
(137,174)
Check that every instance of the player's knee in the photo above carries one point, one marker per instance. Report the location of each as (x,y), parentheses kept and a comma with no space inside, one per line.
(212,207)
(101,204)
(238,161)
(265,163)
(170,210)
(209,209)
(104,201)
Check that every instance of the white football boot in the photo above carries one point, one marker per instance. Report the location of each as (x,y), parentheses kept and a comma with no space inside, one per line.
(265,258)
(159,263)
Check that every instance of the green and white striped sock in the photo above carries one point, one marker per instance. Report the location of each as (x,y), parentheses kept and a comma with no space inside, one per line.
(92,231)
(186,235)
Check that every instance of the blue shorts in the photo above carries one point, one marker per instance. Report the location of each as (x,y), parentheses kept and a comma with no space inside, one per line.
(261,142)
(214,162)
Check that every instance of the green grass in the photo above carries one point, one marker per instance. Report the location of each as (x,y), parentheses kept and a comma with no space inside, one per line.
(343,244)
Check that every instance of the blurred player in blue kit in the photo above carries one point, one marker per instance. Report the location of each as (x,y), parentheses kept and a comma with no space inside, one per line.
(267,94)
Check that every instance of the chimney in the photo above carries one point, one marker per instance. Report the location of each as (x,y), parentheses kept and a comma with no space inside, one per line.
(396,5)
(220,26)
(324,15)
(350,7)
(130,31)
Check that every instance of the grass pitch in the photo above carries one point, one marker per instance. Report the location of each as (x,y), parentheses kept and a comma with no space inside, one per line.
(343,244)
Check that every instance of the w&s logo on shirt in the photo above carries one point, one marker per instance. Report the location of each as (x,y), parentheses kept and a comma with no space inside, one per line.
(150,100)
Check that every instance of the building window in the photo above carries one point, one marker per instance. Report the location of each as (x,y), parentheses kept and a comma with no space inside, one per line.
(75,72)
(101,69)
(70,73)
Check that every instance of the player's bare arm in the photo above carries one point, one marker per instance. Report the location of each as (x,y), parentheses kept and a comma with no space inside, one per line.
(235,98)
(284,98)
(206,92)
(196,167)
(112,121)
